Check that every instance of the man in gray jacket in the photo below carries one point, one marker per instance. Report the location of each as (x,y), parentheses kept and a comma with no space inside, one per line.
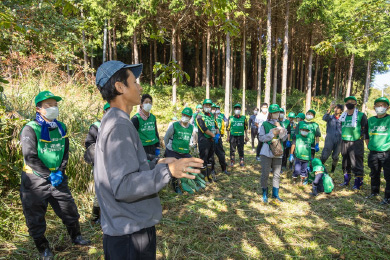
(126,183)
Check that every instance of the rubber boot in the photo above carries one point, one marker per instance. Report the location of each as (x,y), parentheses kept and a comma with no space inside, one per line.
(315,191)
(232,159)
(175,186)
(96,215)
(265,195)
(358,183)
(242,162)
(203,171)
(275,194)
(347,178)
(43,248)
(75,234)
(224,170)
(209,174)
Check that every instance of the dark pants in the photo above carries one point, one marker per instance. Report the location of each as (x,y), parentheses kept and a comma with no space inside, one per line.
(206,150)
(140,245)
(286,154)
(332,147)
(353,154)
(150,151)
(259,146)
(174,154)
(300,168)
(253,136)
(236,142)
(220,152)
(378,161)
(319,182)
(36,193)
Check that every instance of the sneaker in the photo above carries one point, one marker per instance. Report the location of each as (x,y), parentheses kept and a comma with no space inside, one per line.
(226,172)
(79,240)
(242,163)
(46,254)
(258,158)
(372,195)
(385,201)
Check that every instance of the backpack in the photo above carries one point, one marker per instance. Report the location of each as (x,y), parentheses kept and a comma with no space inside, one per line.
(328,183)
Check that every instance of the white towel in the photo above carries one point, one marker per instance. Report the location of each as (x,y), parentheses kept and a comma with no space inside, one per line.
(354,117)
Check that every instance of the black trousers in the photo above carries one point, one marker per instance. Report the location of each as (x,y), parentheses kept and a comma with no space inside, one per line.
(254,132)
(206,150)
(36,193)
(259,146)
(319,182)
(378,161)
(170,153)
(286,154)
(236,142)
(220,153)
(332,147)
(353,155)
(150,151)
(140,245)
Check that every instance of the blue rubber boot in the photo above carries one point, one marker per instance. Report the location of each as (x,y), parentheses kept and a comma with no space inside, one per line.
(265,195)
(275,194)
(358,183)
(347,178)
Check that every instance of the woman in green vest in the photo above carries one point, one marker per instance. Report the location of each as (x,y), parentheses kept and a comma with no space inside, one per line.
(45,148)
(271,131)
(236,128)
(353,127)
(301,147)
(146,124)
(177,140)
(315,132)
(378,142)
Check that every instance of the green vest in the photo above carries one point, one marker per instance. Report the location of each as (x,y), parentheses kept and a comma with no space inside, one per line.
(267,127)
(181,138)
(219,120)
(237,125)
(349,133)
(50,153)
(285,123)
(293,126)
(313,128)
(379,131)
(302,147)
(209,121)
(147,130)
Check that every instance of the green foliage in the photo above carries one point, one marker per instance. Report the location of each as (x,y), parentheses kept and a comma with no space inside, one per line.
(167,72)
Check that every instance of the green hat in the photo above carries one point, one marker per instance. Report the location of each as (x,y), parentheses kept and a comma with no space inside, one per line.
(274,108)
(382,99)
(311,111)
(187,111)
(291,114)
(316,162)
(350,98)
(217,106)
(106,106)
(237,105)
(318,168)
(301,116)
(213,105)
(198,106)
(207,101)
(281,110)
(46,95)
(304,127)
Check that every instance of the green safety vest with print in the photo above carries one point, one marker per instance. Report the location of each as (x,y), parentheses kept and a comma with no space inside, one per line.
(237,125)
(209,121)
(181,138)
(348,132)
(293,127)
(219,120)
(50,153)
(302,147)
(147,130)
(267,128)
(285,123)
(313,128)
(379,131)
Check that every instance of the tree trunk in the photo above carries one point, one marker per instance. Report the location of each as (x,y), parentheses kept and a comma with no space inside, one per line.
(335,81)
(218,62)
(165,54)
(321,78)
(227,76)
(213,65)
(135,50)
(285,58)
(140,48)
(151,63)
(204,59)
(105,41)
(208,63)
(350,73)
(232,62)
(109,40)
(84,48)
(315,76)
(234,54)
(197,63)
(92,59)
(367,86)
(223,65)
(174,85)
(155,52)
(259,78)
(275,88)
(301,70)
(254,60)
(309,74)
(269,56)
(328,80)
(115,51)
(179,49)
(243,57)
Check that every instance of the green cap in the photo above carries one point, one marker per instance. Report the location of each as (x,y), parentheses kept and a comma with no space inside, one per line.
(350,98)
(281,110)
(274,108)
(291,114)
(316,162)
(318,168)
(207,101)
(304,127)
(106,106)
(213,105)
(237,105)
(301,116)
(217,106)
(187,111)
(311,111)
(198,106)
(382,99)
(46,95)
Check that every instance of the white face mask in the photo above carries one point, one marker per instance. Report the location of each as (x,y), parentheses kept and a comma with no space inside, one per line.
(218,111)
(281,116)
(147,107)
(255,112)
(51,113)
(380,110)
(237,111)
(185,119)
(212,111)
(264,110)
(207,109)
(309,117)
(304,133)
(275,115)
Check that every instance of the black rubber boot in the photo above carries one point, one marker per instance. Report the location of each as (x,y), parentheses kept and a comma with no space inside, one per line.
(211,175)
(315,191)
(43,248)
(96,215)
(75,234)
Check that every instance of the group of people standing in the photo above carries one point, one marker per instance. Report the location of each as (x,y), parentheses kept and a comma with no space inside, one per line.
(129,170)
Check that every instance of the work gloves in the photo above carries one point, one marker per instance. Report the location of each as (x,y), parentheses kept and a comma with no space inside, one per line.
(288,144)
(216,138)
(55,178)
(291,159)
(317,147)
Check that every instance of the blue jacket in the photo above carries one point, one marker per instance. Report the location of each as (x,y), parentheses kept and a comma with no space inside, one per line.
(252,122)
(333,126)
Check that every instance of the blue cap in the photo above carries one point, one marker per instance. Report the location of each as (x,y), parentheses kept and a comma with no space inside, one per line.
(109,68)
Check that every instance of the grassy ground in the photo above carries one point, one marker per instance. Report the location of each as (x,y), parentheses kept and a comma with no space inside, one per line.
(229,221)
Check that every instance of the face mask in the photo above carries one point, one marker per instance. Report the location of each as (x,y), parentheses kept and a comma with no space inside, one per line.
(255,112)
(185,119)
(213,111)
(207,109)
(281,116)
(350,106)
(380,110)
(309,117)
(264,110)
(275,115)
(147,107)
(218,111)
(304,133)
(237,112)
(51,113)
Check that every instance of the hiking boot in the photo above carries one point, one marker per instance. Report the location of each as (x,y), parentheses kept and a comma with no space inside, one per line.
(79,240)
